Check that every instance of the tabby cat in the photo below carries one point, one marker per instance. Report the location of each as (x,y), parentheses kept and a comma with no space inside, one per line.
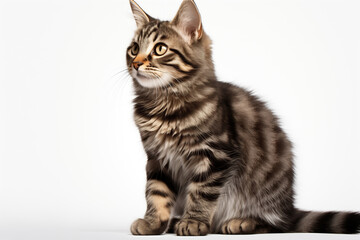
(218,160)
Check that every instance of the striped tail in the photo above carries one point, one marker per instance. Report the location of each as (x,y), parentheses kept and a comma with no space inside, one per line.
(326,222)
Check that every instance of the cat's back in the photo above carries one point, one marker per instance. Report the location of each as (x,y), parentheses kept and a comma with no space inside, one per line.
(243,102)
(264,161)
(255,128)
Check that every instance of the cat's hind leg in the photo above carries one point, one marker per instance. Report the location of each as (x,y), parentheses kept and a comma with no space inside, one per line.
(244,226)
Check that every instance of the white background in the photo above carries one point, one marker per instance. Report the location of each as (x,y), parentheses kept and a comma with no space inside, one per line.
(70,155)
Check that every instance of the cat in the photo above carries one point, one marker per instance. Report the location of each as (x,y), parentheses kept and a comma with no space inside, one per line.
(218,159)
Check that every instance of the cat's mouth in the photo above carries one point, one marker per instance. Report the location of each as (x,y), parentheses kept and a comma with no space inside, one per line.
(150,80)
(141,76)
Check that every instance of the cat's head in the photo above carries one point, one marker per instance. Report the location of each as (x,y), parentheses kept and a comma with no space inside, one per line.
(164,53)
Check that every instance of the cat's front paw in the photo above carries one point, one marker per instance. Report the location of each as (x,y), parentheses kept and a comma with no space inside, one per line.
(144,227)
(140,227)
(190,227)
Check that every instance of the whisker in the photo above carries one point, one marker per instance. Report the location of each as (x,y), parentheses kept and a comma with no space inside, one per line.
(121,71)
(118,82)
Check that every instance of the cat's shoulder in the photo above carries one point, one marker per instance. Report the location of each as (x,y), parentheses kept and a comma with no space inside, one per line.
(240,96)
(229,89)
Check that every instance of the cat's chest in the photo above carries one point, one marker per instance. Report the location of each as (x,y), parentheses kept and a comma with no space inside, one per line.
(171,151)
(166,147)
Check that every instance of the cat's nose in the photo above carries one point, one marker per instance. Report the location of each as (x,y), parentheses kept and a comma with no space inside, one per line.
(137,64)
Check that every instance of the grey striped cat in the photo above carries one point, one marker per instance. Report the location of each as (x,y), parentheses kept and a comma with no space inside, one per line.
(218,160)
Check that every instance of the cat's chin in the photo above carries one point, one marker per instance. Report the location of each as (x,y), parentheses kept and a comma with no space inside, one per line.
(149,82)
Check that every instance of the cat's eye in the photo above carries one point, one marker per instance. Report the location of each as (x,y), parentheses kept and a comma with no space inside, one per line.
(160,49)
(135,49)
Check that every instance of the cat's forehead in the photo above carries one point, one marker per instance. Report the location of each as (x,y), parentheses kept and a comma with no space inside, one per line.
(154,31)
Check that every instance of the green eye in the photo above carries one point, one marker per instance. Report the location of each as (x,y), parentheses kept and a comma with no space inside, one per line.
(135,49)
(160,49)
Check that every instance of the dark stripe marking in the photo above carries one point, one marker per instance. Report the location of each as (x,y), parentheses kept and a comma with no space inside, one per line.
(163,37)
(183,58)
(218,182)
(176,67)
(210,197)
(323,223)
(157,193)
(352,223)
(280,145)
(156,36)
(150,31)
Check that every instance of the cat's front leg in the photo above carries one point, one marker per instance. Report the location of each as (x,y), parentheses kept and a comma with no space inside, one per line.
(199,208)
(201,199)
(159,200)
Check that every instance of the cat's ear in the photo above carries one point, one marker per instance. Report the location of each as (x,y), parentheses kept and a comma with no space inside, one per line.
(188,21)
(141,18)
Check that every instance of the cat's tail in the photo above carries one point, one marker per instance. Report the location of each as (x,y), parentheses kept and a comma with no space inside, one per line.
(326,222)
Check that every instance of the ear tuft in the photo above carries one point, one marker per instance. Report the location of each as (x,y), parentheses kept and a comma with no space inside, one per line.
(141,18)
(188,21)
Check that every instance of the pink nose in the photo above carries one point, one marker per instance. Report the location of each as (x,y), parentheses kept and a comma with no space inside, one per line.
(139,60)
(137,64)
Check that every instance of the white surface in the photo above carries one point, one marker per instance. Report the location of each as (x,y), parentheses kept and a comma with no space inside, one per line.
(116,235)
(70,154)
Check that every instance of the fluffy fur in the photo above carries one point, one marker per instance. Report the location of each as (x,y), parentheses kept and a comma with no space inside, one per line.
(218,159)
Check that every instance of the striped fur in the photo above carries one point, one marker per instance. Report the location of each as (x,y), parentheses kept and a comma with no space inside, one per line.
(218,159)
